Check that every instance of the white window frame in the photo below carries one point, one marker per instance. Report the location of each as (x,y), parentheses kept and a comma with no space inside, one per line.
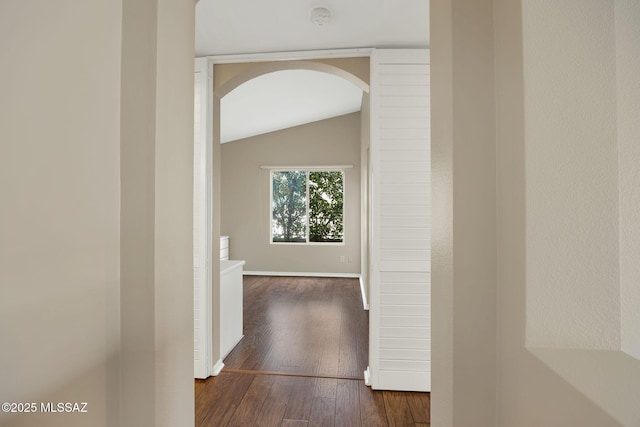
(307,170)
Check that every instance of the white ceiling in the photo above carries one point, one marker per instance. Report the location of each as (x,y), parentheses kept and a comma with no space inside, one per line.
(279,100)
(284,99)
(250,26)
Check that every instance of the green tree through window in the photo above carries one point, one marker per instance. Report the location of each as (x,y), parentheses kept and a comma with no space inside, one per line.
(307,206)
(325,206)
(289,206)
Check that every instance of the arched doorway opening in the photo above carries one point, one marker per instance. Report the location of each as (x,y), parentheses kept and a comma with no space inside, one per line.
(222,88)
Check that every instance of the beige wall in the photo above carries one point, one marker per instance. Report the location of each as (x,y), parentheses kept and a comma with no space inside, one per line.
(60,197)
(246,195)
(555,102)
(573,387)
(96,127)
(464,214)
(571,161)
(571,110)
(156,173)
(442,310)
(173,220)
(628,109)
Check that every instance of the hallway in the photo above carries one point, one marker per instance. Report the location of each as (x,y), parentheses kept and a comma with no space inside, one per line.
(301,362)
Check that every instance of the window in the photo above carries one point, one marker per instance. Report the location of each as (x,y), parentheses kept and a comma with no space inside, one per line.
(307,206)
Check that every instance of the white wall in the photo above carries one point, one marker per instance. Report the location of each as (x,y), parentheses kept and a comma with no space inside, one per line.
(96,128)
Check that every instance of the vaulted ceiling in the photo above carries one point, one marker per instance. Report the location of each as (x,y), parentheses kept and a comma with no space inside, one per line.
(284,99)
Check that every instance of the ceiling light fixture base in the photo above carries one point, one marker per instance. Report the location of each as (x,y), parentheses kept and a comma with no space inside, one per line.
(320,16)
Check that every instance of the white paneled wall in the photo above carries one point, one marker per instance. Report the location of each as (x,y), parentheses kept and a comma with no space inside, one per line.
(400,345)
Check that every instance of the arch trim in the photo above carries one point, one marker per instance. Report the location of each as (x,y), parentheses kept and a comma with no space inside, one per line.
(263,69)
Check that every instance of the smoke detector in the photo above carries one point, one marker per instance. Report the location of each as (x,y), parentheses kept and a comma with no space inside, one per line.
(320,16)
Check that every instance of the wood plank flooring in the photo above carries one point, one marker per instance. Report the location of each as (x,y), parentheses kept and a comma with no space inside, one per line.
(302,325)
(301,363)
(233,399)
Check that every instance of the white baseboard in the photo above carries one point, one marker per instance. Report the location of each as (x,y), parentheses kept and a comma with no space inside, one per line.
(403,381)
(217,368)
(232,347)
(300,274)
(367,377)
(365,304)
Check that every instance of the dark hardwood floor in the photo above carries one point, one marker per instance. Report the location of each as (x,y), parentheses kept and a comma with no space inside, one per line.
(233,399)
(302,325)
(301,363)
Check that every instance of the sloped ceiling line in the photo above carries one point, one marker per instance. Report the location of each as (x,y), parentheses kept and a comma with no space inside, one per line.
(283,99)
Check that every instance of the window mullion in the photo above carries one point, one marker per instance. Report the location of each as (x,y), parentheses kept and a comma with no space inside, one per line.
(271,173)
(308,213)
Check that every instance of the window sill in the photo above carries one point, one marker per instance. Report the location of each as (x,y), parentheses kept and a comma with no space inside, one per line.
(308,243)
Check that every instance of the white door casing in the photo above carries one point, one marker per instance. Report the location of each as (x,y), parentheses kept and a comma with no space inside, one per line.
(202,197)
